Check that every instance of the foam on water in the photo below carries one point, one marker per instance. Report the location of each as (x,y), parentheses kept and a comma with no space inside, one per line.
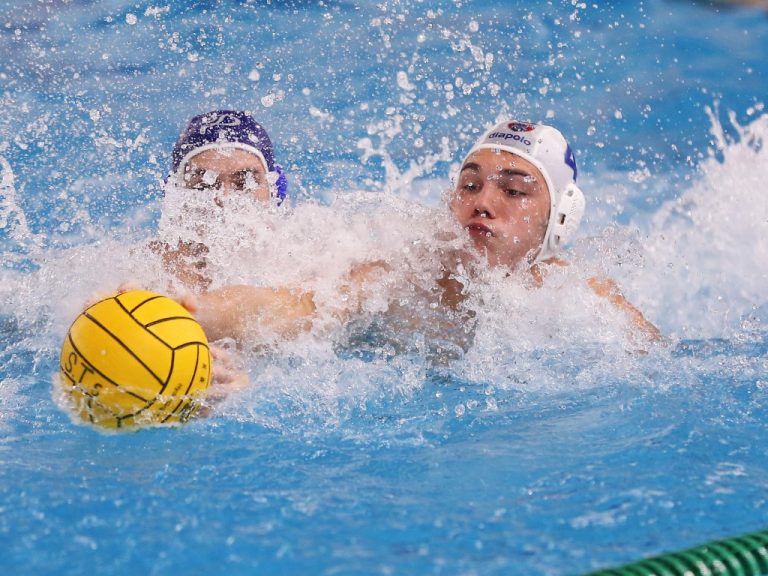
(20,240)
(312,247)
(697,268)
(709,248)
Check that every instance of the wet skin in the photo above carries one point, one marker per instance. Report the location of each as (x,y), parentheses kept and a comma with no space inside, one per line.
(503,202)
(227,171)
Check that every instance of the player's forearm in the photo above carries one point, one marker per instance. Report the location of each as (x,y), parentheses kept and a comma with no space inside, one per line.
(608,289)
(240,311)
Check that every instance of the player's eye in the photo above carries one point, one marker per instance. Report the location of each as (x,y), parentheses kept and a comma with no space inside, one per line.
(202,180)
(201,185)
(469,185)
(246,180)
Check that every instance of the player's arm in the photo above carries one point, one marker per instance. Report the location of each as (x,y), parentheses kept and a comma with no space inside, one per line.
(187,262)
(240,311)
(606,288)
(243,312)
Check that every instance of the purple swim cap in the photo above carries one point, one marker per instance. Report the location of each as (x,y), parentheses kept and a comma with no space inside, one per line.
(228,127)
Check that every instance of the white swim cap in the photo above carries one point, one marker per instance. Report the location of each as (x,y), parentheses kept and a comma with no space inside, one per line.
(546,148)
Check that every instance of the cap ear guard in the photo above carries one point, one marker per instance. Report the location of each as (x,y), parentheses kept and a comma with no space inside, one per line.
(279,188)
(567,217)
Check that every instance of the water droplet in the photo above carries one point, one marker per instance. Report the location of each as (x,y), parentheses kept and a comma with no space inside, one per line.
(403,82)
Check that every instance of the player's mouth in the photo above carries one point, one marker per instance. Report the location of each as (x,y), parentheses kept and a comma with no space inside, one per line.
(479,230)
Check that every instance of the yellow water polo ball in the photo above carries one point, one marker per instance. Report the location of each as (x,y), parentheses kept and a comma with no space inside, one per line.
(136,358)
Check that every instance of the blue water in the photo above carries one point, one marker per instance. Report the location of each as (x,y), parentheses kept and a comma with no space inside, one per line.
(546,448)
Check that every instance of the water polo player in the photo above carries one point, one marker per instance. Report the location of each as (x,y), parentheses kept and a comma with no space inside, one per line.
(219,155)
(227,151)
(517,198)
(516,194)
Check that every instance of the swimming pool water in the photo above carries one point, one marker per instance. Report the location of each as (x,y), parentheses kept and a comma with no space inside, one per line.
(546,448)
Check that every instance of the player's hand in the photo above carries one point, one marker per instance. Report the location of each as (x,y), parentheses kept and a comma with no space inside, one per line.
(226,374)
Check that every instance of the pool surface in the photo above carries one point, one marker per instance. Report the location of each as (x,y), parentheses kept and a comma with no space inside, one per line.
(554,444)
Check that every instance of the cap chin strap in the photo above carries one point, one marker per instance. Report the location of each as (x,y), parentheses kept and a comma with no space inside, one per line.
(563,221)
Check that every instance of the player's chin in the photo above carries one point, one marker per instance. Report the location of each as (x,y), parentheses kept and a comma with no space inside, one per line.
(486,251)
(505,258)
(484,245)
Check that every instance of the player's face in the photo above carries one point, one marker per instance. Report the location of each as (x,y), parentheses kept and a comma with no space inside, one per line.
(227,170)
(503,202)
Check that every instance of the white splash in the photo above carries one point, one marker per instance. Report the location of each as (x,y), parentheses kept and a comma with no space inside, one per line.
(707,251)
(13,220)
(701,268)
